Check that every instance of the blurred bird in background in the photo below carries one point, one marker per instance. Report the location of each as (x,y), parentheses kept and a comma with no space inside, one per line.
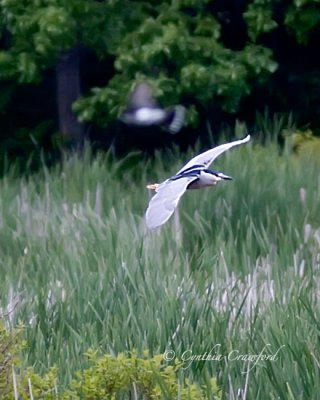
(194,175)
(144,111)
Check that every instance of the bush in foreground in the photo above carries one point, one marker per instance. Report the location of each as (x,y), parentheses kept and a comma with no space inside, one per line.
(108,377)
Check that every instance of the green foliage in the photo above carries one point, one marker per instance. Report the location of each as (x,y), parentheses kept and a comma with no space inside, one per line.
(179,46)
(303,143)
(31,385)
(25,383)
(302,17)
(237,266)
(182,56)
(272,128)
(144,377)
(41,31)
(11,344)
(10,347)
(107,377)
(259,17)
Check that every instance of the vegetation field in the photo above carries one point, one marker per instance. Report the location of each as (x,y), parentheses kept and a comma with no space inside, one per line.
(229,286)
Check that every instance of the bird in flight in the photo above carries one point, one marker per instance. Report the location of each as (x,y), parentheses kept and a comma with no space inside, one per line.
(194,175)
(144,111)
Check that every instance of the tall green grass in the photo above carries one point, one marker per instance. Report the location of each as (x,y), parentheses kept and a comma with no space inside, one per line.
(236,271)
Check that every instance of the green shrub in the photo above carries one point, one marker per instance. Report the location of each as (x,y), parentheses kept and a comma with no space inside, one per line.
(304,143)
(108,377)
(16,382)
(145,377)
(9,350)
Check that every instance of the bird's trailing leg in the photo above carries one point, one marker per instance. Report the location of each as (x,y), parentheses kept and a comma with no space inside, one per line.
(153,186)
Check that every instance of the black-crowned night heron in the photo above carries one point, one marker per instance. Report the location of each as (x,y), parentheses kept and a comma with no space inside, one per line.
(144,111)
(194,175)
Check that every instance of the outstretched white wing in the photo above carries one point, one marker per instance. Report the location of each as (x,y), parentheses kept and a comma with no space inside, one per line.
(206,158)
(165,201)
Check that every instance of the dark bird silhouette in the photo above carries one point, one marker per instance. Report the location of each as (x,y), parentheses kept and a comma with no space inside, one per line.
(144,111)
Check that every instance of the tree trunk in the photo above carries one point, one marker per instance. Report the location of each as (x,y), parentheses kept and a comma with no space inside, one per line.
(68,90)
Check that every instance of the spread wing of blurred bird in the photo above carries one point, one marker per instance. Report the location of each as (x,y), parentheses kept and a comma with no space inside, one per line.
(193,175)
(143,110)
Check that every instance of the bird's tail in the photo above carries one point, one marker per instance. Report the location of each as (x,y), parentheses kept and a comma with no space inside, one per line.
(177,120)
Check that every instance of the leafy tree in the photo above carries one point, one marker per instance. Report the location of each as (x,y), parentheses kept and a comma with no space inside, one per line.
(206,54)
(183,49)
(178,47)
(301,17)
(40,34)
(107,377)
(292,30)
